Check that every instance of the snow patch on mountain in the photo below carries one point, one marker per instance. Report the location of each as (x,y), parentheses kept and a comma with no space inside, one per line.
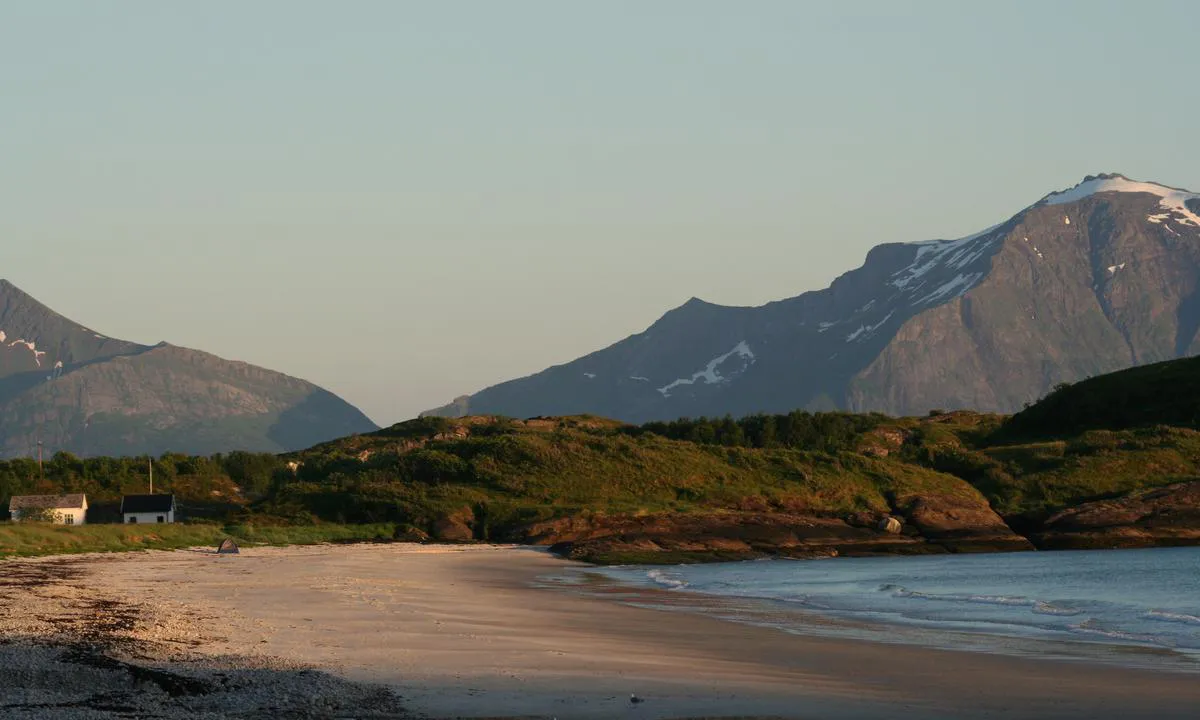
(32,347)
(865,331)
(1172,200)
(710,374)
(954,288)
(952,254)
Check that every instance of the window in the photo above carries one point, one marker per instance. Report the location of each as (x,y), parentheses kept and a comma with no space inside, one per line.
(132,519)
(160,518)
(68,519)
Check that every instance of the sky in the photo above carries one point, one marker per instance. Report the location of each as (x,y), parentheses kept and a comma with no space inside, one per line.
(404,202)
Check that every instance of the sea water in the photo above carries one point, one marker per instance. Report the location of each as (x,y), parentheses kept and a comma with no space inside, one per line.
(1134,599)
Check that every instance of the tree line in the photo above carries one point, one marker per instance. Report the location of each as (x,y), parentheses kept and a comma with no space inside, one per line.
(824,431)
(108,478)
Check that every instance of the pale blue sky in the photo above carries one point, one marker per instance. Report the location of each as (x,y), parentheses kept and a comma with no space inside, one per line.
(408,201)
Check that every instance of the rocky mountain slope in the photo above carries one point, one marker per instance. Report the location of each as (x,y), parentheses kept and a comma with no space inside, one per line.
(1093,279)
(80,391)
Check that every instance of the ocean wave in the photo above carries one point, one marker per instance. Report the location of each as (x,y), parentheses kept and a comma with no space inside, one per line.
(1010,600)
(1166,616)
(1045,608)
(1089,627)
(661,578)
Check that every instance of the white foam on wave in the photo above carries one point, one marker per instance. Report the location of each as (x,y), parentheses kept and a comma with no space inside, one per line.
(1173,617)
(661,578)
(1045,608)
(1017,600)
(1089,627)
(1038,607)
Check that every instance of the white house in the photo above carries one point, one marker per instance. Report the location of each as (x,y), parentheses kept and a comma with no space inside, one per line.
(148,509)
(60,509)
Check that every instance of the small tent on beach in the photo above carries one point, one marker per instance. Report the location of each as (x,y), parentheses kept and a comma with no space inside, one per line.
(227,547)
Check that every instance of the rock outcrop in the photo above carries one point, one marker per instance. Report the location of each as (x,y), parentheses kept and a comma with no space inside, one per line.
(1167,515)
(963,524)
(741,535)
(455,527)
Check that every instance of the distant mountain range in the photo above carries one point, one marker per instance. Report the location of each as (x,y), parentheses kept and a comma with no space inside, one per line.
(77,390)
(1089,280)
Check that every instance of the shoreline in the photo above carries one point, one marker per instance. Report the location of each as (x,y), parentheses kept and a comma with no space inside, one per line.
(461,631)
(19,540)
(887,627)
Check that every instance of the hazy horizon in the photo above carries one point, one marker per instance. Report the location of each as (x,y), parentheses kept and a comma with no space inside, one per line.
(405,203)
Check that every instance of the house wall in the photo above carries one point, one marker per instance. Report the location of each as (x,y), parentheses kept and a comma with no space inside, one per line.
(78,515)
(149,518)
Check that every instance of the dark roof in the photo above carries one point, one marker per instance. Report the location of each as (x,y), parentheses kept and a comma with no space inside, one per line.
(147,503)
(20,502)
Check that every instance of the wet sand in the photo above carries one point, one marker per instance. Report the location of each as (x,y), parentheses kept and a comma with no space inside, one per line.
(465,632)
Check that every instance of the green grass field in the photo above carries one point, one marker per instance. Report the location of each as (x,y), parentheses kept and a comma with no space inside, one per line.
(31,539)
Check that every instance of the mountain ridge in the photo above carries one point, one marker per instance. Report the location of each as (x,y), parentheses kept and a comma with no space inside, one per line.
(917,325)
(64,386)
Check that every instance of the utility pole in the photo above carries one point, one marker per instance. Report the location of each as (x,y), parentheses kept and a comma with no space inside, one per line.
(150,463)
(41,470)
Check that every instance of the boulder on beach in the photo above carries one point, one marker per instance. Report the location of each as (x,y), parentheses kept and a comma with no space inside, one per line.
(890,525)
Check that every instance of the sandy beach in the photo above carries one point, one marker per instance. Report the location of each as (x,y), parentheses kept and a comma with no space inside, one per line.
(435,631)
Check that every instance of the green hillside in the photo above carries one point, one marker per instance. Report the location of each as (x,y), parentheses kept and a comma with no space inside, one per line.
(511,471)
(798,483)
(1165,393)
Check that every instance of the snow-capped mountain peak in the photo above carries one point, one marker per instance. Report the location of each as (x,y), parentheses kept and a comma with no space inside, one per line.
(1173,200)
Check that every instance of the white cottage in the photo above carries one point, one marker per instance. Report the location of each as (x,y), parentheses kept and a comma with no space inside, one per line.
(60,509)
(148,509)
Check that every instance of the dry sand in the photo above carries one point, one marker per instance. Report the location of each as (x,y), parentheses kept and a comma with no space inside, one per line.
(464,632)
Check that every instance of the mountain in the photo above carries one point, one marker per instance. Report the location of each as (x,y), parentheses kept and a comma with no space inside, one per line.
(1089,280)
(80,391)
